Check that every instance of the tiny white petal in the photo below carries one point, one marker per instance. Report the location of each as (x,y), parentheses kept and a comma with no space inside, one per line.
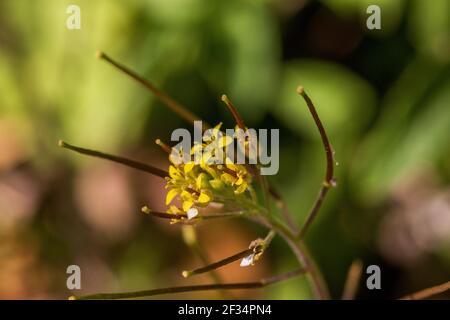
(248,260)
(192,213)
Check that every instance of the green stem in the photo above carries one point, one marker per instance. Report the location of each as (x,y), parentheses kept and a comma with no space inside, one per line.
(313,275)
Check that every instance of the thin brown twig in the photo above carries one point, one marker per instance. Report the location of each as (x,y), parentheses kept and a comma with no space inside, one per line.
(313,213)
(219,215)
(166,148)
(254,249)
(163,215)
(190,238)
(352,282)
(429,292)
(226,286)
(218,264)
(329,174)
(254,170)
(173,105)
(124,161)
(237,117)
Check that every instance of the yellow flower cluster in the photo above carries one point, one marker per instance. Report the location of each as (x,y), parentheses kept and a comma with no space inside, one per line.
(197,183)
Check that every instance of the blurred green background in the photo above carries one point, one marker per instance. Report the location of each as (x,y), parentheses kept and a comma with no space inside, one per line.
(383,96)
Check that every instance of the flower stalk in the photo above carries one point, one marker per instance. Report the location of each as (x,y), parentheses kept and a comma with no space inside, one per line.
(255,249)
(314,276)
(124,161)
(352,282)
(329,181)
(190,238)
(173,105)
(226,286)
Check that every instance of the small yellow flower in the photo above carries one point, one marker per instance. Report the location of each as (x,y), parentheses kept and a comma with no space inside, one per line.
(235,175)
(191,197)
(214,144)
(197,183)
(248,143)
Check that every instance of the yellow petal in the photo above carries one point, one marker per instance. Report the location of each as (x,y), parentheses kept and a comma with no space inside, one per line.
(225,177)
(225,141)
(241,188)
(173,172)
(186,195)
(201,181)
(188,167)
(216,130)
(170,195)
(217,127)
(196,148)
(187,205)
(203,198)
(206,156)
(210,170)
(230,164)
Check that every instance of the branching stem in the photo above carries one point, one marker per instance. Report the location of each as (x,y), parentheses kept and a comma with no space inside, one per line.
(353,280)
(429,292)
(227,286)
(314,276)
(329,178)
(218,264)
(124,161)
(252,250)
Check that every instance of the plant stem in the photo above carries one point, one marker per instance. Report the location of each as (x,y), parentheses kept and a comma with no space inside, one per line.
(313,213)
(176,107)
(329,179)
(323,135)
(191,240)
(352,282)
(218,264)
(316,281)
(426,293)
(237,117)
(314,276)
(163,215)
(226,286)
(124,161)
(254,249)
